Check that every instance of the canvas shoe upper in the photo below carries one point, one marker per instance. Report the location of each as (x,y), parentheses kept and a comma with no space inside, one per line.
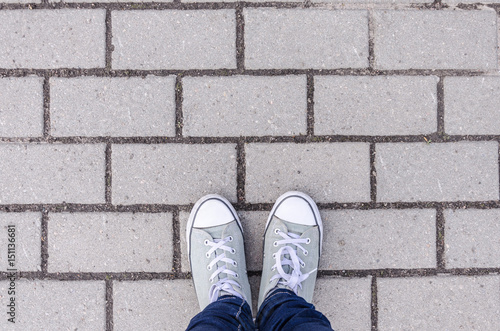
(292,246)
(216,251)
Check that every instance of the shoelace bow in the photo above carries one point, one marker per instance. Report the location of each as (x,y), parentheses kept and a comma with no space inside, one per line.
(295,278)
(224,284)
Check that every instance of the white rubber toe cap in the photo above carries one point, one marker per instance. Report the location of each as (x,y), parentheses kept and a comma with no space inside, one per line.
(213,211)
(295,208)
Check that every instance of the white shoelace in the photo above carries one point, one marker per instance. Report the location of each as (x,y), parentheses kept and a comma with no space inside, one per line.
(295,278)
(224,284)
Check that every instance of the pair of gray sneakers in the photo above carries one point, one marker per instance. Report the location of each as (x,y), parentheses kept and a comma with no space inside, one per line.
(292,247)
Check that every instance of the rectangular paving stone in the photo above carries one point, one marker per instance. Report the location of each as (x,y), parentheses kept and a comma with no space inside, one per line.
(346,302)
(437,171)
(439,303)
(21,107)
(329,172)
(47,39)
(244,106)
(379,239)
(26,236)
(472,105)
(294,38)
(253,222)
(174,39)
(472,238)
(55,305)
(110,242)
(52,173)
(413,39)
(118,107)
(172,173)
(375,105)
(152,304)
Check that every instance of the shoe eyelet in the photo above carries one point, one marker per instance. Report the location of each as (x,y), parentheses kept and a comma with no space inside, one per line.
(273,268)
(308,241)
(274,255)
(236,276)
(302,265)
(209,267)
(211,280)
(277,231)
(306,252)
(275,244)
(230,238)
(233,251)
(207,255)
(206,242)
(235,263)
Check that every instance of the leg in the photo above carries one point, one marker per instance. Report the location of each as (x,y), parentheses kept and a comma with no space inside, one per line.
(227,313)
(292,247)
(217,257)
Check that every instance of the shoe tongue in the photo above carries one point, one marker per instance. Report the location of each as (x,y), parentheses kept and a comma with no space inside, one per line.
(216,231)
(298,229)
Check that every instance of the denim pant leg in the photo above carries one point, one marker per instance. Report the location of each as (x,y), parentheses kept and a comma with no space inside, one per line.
(284,310)
(227,313)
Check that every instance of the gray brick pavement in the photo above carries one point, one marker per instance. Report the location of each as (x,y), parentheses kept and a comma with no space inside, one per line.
(21,98)
(329,172)
(157,39)
(336,100)
(298,36)
(445,303)
(155,173)
(437,172)
(244,106)
(472,105)
(472,238)
(52,173)
(46,39)
(123,107)
(107,242)
(382,105)
(435,39)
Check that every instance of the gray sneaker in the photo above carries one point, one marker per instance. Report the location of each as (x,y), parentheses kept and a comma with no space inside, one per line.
(216,252)
(292,246)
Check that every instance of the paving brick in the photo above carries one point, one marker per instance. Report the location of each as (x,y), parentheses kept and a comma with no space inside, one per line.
(244,106)
(329,172)
(46,39)
(253,223)
(174,39)
(172,173)
(439,303)
(97,106)
(346,302)
(472,105)
(412,39)
(375,105)
(55,305)
(154,304)
(437,172)
(21,98)
(110,242)
(293,38)
(52,173)
(379,239)
(472,238)
(27,238)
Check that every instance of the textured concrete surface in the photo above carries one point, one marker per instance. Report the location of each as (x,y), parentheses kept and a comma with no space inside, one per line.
(21,97)
(382,105)
(110,242)
(115,118)
(472,105)
(244,106)
(298,36)
(174,39)
(119,107)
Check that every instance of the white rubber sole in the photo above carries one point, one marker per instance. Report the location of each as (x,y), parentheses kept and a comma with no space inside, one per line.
(311,203)
(197,206)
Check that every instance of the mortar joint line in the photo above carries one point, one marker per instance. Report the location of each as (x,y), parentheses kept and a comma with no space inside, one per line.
(373,173)
(108,176)
(240,38)
(109,40)
(179,116)
(374,304)
(310,104)
(240,172)
(371,43)
(440,108)
(44,248)
(46,107)
(440,240)
(177,249)
(109,304)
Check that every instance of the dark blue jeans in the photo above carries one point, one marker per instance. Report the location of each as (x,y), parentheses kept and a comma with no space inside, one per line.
(281,310)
